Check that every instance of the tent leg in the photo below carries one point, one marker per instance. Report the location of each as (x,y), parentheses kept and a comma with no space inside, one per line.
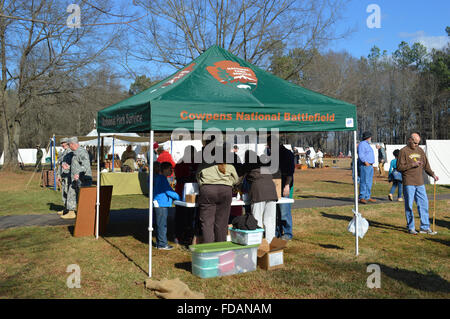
(98,187)
(355,168)
(54,162)
(150,205)
(113,154)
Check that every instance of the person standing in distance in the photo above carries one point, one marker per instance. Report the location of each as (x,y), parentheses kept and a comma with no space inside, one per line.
(63,172)
(366,158)
(411,162)
(80,175)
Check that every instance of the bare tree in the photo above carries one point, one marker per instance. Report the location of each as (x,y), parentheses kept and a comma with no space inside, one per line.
(39,55)
(177,31)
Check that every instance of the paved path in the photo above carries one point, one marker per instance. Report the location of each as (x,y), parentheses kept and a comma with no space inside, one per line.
(318,201)
(141,215)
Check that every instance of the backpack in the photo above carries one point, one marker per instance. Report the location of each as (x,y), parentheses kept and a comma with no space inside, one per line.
(245,222)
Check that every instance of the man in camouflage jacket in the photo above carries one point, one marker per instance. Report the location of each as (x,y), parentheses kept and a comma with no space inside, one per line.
(80,175)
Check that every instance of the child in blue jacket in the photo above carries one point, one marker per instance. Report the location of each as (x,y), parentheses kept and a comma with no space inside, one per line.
(396,182)
(163,194)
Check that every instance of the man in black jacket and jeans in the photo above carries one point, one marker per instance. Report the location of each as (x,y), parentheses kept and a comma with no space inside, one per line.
(287,169)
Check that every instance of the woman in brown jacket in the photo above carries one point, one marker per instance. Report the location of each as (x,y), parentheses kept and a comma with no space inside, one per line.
(263,194)
(215,182)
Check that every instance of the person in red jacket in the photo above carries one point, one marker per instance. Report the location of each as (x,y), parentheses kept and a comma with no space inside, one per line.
(164,155)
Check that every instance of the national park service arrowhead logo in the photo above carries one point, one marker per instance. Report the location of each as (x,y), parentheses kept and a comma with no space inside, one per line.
(179,75)
(231,73)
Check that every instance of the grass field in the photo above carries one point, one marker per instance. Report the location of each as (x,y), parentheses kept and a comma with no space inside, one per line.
(320,261)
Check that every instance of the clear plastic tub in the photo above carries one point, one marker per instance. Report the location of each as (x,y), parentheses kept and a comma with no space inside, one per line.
(246,237)
(232,259)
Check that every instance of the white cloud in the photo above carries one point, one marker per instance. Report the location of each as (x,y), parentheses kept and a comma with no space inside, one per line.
(429,41)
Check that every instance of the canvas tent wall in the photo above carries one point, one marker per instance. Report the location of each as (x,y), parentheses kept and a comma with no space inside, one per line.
(120,139)
(28,156)
(438,154)
(220,90)
(176,148)
(390,148)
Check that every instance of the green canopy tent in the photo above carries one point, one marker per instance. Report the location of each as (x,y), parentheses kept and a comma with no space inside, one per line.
(224,91)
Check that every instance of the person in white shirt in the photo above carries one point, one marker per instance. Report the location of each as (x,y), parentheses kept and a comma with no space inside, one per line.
(319,157)
(313,157)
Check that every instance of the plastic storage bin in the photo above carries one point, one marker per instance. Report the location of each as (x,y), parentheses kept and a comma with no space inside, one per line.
(246,237)
(222,259)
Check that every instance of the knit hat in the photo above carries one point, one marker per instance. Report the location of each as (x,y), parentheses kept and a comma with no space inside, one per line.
(155,146)
(366,135)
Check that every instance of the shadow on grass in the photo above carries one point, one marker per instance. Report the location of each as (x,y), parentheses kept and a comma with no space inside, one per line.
(338,182)
(441,241)
(135,222)
(55,207)
(443,223)
(125,255)
(430,282)
(185,266)
(329,246)
(371,222)
(343,199)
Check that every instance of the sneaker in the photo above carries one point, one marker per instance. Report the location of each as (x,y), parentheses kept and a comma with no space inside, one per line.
(167,247)
(390,197)
(61,212)
(185,248)
(400,199)
(428,231)
(286,238)
(412,231)
(70,215)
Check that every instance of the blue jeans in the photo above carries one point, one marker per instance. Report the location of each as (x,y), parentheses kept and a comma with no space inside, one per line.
(396,184)
(419,195)
(284,221)
(365,186)
(160,225)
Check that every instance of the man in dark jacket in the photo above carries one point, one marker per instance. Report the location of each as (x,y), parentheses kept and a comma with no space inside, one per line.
(287,169)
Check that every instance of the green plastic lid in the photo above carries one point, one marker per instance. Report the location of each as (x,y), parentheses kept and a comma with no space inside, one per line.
(220,246)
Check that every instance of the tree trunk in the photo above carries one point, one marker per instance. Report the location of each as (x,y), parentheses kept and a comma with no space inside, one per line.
(11,134)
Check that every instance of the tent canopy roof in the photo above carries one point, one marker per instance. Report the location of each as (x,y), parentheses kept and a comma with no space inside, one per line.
(225,91)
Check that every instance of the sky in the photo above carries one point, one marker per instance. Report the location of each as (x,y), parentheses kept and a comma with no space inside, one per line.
(401,20)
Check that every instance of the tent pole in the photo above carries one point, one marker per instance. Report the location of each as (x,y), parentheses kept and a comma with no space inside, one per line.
(113,155)
(150,206)
(53,163)
(355,168)
(98,187)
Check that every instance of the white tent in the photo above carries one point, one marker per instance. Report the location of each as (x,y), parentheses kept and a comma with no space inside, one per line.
(390,148)
(176,148)
(109,137)
(28,156)
(438,154)
(288,146)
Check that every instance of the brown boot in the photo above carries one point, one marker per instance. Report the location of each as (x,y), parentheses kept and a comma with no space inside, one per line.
(70,215)
(363,201)
(372,200)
